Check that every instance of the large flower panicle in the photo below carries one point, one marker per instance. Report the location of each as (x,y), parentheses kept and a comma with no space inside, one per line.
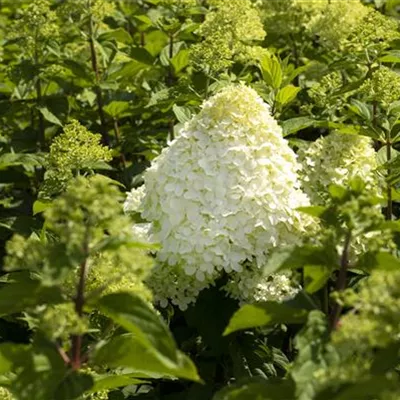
(337,159)
(224,193)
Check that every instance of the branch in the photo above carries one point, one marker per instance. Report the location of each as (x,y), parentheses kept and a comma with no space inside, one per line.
(76,359)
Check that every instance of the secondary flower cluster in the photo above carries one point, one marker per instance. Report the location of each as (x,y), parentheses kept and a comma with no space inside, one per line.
(337,158)
(223,194)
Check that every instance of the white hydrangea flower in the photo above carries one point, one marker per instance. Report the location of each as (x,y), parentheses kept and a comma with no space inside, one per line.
(223,193)
(134,200)
(337,159)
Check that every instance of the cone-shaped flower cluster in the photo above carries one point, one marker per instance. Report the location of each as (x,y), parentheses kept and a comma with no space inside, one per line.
(220,197)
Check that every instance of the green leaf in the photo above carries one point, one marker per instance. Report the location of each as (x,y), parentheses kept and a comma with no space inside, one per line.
(73,386)
(134,314)
(381,260)
(49,116)
(128,70)
(39,373)
(263,314)
(128,351)
(116,108)
(314,211)
(271,71)
(294,125)
(287,94)
(119,34)
(391,57)
(180,60)
(361,109)
(258,389)
(12,354)
(315,277)
(313,355)
(41,205)
(142,55)
(183,114)
(28,161)
(299,256)
(370,388)
(16,297)
(107,382)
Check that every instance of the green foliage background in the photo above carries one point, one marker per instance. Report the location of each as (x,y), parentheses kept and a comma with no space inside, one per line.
(91,91)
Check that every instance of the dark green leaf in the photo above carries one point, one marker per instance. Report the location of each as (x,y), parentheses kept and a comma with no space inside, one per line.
(258,389)
(16,297)
(127,351)
(294,125)
(134,314)
(73,386)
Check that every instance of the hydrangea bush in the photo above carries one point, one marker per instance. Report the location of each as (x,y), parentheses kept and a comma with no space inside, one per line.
(261,237)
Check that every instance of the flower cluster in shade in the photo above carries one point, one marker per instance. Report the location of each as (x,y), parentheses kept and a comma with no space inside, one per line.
(229,31)
(382,87)
(221,197)
(337,159)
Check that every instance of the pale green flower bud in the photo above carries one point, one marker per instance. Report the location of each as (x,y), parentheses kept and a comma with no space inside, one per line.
(383,86)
